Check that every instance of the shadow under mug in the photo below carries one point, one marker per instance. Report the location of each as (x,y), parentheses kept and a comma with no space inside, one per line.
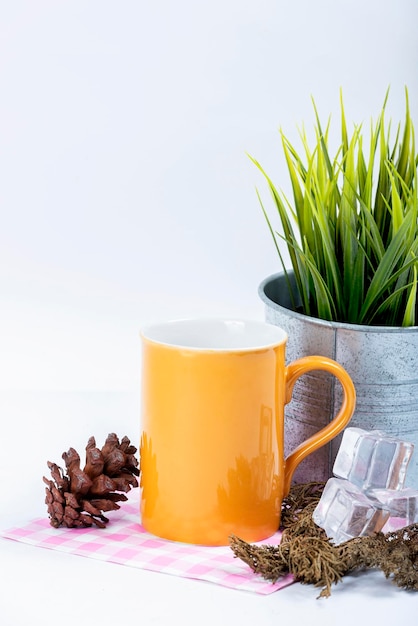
(212,428)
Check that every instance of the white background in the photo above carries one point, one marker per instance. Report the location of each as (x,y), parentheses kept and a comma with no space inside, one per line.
(126,196)
(125,189)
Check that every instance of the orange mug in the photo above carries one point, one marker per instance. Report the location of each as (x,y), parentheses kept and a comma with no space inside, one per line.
(212,457)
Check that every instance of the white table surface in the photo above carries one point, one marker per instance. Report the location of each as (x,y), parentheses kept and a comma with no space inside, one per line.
(45,586)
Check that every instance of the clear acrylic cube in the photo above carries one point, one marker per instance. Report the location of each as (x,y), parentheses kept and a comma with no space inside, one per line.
(372,459)
(344,512)
(402,505)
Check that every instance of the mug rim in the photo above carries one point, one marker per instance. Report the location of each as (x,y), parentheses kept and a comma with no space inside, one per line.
(233,329)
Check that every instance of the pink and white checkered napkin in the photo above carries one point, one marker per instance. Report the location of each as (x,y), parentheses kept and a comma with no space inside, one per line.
(125,541)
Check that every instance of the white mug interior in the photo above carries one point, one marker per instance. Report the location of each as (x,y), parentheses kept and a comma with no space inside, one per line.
(215,334)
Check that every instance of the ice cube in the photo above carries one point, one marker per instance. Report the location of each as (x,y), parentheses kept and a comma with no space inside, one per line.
(402,505)
(344,511)
(372,459)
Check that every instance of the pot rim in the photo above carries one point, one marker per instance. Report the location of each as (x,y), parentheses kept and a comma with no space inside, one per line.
(320,322)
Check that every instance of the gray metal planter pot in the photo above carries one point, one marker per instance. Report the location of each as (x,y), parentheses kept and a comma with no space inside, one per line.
(382,362)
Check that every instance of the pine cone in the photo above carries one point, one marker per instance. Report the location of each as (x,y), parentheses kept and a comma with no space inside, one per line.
(78,497)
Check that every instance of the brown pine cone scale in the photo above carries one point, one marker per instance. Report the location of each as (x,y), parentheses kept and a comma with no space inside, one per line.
(77,498)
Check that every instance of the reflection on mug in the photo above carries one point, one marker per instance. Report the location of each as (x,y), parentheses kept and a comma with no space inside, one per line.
(252,485)
(266,456)
(148,476)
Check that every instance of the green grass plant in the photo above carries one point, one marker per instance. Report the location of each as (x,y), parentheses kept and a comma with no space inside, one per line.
(351,229)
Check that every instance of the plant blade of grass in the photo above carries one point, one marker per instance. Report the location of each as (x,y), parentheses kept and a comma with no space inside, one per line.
(347,219)
(344,134)
(292,297)
(296,169)
(323,299)
(396,206)
(400,279)
(380,212)
(288,234)
(387,265)
(387,305)
(403,161)
(324,256)
(411,304)
(322,140)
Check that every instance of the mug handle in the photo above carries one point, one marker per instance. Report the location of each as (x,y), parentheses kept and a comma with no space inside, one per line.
(323,436)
